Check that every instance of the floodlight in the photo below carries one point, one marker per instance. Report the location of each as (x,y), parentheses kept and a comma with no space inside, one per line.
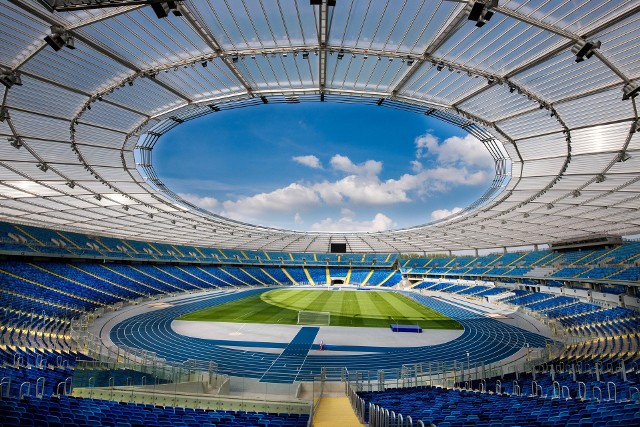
(476,11)
(331,2)
(162,9)
(630,90)
(97,197)
(480,12)
(305,55)
(600,178)
(4,114)
(439,67)
(14,142)
(234,58)
(214,107)
(59,38)
(576,193)
(264,99)
(70,43)
(549,205)
(584,48)
(315,2)
(10,78)
(623,157)
(43,166)
(71,184)
(204,64)
(409,62)
(526,215)
(55,41)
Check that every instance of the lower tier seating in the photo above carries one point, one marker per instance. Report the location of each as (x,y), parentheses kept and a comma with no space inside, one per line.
(79,412)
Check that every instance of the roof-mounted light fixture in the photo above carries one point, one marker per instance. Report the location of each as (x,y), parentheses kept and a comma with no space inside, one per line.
(71,184)
(584,49)
(480,11)
(14,142)
(10,78)
(576,193)
(162,9)
(630,90)
(623,156)
(97,197)
(600,178)
(59,38)
(43,166)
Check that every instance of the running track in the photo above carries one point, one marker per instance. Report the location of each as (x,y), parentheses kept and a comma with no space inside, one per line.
(487,339)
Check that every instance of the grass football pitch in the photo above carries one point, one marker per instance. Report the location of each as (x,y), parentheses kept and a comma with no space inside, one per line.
(347,308)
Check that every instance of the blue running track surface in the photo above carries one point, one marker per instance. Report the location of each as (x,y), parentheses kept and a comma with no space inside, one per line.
(488,340)
(292,358)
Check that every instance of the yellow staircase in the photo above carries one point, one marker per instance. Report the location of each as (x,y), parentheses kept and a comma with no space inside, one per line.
(335,412)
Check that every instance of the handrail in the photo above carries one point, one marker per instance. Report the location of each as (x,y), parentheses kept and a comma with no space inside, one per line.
(64,388)
(483,386)
(7,381)
(631,394)
(556,395)
(580,395)
(568,395)
(534,388)
(40,385)
(593,389)
(498,387)
(615,391)
(28,389)
(516,390)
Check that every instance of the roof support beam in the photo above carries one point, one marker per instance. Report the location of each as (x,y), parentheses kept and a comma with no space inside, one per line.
(323,36)
(215,46)
(47,17)
(455,23)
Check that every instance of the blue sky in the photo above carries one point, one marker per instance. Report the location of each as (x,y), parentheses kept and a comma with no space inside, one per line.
(324,166)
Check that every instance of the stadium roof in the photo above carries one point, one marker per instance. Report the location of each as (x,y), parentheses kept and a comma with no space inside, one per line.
(541,84)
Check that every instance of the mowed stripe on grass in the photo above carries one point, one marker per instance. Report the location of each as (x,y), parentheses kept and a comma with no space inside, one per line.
(347,308)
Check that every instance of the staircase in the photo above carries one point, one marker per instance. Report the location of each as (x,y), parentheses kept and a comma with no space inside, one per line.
(334,412)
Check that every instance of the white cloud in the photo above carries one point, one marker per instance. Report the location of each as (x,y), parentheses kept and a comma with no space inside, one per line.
(362,190)
(297,219)
(380,222)
(344,164)
(289,199)
(467,151)
(310,161)
(205,202)
(443,213)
